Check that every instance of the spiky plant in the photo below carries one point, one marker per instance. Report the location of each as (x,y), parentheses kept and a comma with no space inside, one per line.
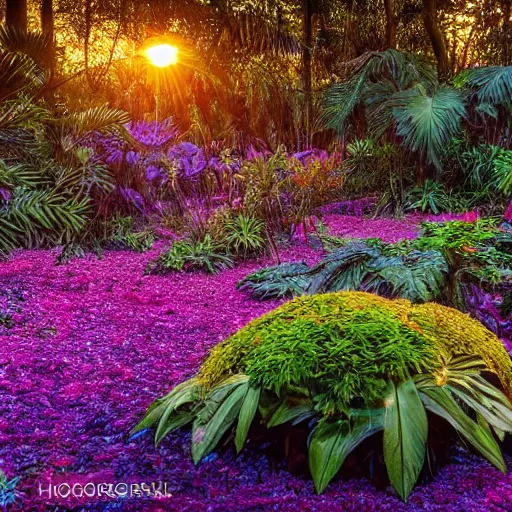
(350,366)
(188,255)
(244,235)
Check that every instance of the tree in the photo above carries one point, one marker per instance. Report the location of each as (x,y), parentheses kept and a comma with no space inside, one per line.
(306,65)
(390,24)
(47,25)
(436,37)
(16,15)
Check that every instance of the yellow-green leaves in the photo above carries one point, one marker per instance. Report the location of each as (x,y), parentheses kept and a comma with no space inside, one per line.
(405,436)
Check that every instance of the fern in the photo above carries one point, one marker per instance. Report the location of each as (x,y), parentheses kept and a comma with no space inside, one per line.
(286,280)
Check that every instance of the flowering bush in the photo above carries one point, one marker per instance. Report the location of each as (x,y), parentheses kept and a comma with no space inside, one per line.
(279,189)
(350,366)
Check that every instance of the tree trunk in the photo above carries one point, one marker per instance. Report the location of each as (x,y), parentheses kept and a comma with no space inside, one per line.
(47,26)
(16,15)
(507,35)
(307,68)
(47,17)
(390,24)
(436,38)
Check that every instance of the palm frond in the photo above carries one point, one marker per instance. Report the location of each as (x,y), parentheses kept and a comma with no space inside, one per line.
(286,280)
(427,122)
(36,45)
(492,85)
(96,119)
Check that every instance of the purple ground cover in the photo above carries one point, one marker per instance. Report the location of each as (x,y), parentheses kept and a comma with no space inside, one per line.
(95,341)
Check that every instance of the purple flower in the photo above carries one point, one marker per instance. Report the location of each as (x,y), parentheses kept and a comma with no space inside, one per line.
(153,172)
(5,193)
(190,160)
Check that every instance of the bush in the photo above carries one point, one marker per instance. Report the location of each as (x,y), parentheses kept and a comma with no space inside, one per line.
(349,365)
(440,264)
(244,235)
(189,255)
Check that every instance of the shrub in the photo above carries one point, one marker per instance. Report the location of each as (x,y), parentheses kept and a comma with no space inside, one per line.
(357,265)
(189,255)
(351,366)
(431,196)
(244,235)
(440,264)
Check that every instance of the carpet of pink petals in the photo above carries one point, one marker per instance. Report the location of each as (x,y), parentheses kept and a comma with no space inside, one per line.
(95,341)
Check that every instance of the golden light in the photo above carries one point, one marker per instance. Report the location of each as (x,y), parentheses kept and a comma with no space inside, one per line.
(162,55)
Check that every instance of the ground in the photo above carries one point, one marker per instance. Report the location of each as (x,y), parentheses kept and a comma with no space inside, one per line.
(95,341)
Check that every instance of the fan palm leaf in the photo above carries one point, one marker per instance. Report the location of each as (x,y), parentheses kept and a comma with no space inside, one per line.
(491,85)
(427,122)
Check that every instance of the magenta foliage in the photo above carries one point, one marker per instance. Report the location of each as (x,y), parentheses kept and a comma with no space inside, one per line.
(94,342)
(508,213)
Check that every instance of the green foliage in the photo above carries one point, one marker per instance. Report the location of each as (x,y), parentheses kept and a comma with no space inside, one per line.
(8,492)
(189,255)
(398,70)
(503,172)
(431,196)
(52,185)
(357,265)
(357,365)
(285,280)
(330,443)
(244,235)
(444,259)
(427,122)
(456,234)
(405,436)
(491,85)
(123,235)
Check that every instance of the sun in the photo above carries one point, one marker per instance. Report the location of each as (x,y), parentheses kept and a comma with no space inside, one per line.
(162,55)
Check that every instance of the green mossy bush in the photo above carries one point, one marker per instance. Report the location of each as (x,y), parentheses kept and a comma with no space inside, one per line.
(348,366)
(347,343)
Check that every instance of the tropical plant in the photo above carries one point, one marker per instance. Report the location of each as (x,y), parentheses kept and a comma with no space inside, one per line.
(445,256)
(431,196)
(349,367)
(244,235)
(123,235)
(397,96)
(8,493)
(51,183)
(188,255)
(503,172)
(357,265)
(285,280)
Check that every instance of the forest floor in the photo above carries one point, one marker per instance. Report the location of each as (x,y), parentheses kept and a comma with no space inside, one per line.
(95,341)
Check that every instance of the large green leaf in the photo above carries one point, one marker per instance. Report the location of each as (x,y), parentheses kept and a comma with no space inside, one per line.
(483,398)
(492,85)
(287,412)
(330,443)
(205,436)
(162,408)
(427,122)
(247,413)
(438,400)
(178,420)
(405,436)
